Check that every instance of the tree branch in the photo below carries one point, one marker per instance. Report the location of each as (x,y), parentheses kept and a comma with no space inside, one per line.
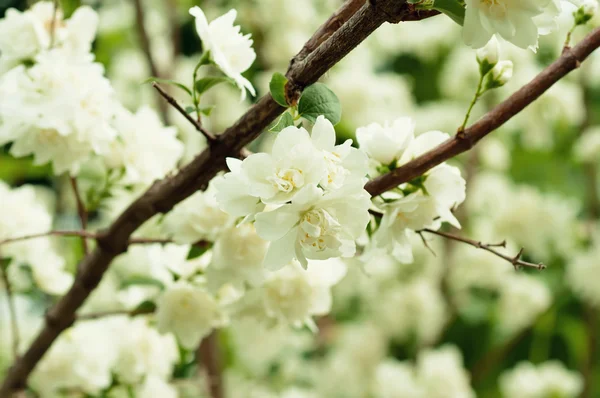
(145,44)
(515,261)
(81,211)
(81,234)
(166,193)
(98,315)
(12,312)
(465,140)
(208,357)
(207,134)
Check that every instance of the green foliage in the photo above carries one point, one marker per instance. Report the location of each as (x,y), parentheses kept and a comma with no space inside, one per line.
(317,100)
(69,6)
(277,88)
(284,121)
(170,82)
(206,83)
(452,8)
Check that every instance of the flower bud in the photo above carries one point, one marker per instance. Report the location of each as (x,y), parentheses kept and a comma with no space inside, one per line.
(585,11)
(500,75)
(488,56)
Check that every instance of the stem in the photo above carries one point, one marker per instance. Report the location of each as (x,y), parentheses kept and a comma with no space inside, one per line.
(98,315)
(568,38)
(209,357)
(515,261)
(53,23)
(81,234)
(81,211)
(12,311)
(478,94)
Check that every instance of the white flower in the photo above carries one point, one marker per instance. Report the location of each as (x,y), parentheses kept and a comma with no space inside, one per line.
(386,144)
(500,74)
(294,295)
(490,53)
(23,35)
(155,387)
(582,271)
(197,218)
(145,148)
(59,111)
(229,48)
(587,147)
(315,225)
(394,379)
(426,205)
(297,160)
(237,257)
(441,373)
(549,379)
(522,299)
(512,20)
(143,352)
(188,312)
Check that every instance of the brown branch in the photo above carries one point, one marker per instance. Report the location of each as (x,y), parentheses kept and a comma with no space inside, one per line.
(166,193)
(208,357)
(465,140)
(145,43)
(81,234)
(12,311)
(81,211)
(98,315)
(209,136)
(516,261)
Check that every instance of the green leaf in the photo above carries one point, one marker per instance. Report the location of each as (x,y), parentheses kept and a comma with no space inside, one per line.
(68,7)
(190,109)
(207,110)
(284,121)
(197,250)
(206,83)
(277,88)
(145,307)
(452,8)
(166,81)
(318,100)
(142,280)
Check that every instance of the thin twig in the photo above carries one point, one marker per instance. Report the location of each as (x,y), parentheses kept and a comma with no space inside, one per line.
(146,48)
(209,136)
(53,23)
(83,235)
(12,312)
(516,261)
(131,313)
(426,244)
(81,211)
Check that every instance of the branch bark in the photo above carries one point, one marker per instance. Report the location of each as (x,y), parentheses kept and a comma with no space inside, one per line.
(81,211)
(166,193)
(465,140)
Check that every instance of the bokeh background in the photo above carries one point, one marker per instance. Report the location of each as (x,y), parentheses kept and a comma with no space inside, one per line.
(533,183)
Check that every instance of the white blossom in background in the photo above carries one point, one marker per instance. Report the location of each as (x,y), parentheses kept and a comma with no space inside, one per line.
(155,387)
(395,379)
(548,379)
(59,110)
(522,299)
(24,211)
(581,273)
(144,353)
(514,21)
(74,363)
(189,312)
(23,35)
(587,147)
(229,48)
(441,373)
(144,148)
(294,295)
(237,258)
